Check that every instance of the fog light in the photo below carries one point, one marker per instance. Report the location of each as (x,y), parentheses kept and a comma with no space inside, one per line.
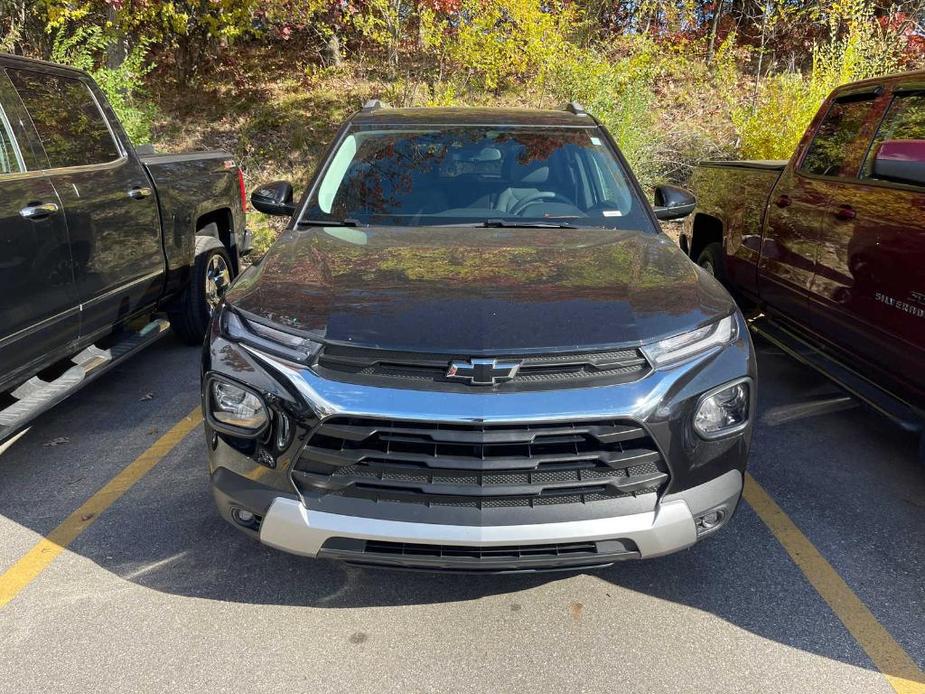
(709,520)
(722,412)
(245,518)
(237,407)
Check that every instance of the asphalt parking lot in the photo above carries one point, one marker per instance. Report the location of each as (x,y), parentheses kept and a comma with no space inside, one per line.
(818,585)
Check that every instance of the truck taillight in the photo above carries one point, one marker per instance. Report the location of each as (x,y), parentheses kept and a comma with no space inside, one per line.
(243,190)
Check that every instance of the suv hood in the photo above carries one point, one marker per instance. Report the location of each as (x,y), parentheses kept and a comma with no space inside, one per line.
(472,290)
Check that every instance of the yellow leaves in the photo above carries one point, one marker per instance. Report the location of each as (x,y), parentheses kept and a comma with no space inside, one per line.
(497,43)
(858,47)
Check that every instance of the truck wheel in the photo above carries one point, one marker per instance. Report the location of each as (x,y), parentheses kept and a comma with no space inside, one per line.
(212,273)
(711,260)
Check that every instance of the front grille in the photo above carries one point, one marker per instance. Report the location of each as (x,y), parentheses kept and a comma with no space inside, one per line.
(474,559)
(480,465)
(414,370)
(404,549)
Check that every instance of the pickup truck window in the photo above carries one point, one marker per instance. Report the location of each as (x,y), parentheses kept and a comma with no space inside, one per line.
(67,118)
(469,174)
(905,120)
(10,157)
(832,149)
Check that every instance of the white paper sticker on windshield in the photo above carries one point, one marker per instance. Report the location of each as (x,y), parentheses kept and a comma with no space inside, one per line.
(596,141)
(612,213)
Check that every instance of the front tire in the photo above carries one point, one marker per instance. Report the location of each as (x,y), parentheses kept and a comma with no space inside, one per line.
(711,260)
(212,273)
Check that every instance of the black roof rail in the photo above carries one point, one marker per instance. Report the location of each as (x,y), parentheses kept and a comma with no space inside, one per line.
(373,105)
(576,108)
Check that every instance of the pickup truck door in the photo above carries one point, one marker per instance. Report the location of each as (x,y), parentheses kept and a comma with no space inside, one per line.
(868,294)
(39,312)
(799,207)
(109,202)
(788,244)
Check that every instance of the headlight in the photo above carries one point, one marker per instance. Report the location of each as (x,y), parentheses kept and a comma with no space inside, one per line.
(680,347)
(274,340)
(723,412)
(236,407)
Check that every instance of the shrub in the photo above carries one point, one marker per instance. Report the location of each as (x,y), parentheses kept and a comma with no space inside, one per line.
(859,47)
(85,48)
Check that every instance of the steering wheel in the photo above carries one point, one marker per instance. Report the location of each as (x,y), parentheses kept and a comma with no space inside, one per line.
(534,197)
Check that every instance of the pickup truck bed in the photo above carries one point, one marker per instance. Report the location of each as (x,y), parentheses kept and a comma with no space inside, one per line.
(762,164)
(830,245)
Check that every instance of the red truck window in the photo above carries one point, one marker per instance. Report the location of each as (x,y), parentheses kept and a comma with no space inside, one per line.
(905,120)
(837,139)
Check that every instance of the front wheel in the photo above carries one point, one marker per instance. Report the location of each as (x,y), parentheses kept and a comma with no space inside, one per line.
(212,274)
(711,260)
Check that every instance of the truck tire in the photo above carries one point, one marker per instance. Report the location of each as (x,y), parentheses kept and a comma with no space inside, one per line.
(212,273)
(711,260)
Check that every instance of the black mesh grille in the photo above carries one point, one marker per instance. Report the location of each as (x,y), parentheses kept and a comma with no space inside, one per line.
(409,369)
(480,465)
(461,551)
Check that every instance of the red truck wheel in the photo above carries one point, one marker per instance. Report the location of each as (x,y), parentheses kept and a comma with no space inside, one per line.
(711,260)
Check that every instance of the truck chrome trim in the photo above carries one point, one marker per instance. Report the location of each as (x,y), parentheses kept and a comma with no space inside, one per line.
(635,400)
(291,527)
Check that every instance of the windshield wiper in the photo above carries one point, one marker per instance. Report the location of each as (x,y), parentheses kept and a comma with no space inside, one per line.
(505,224)
(328,222)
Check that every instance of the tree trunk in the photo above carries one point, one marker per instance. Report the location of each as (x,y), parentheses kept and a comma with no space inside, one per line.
(714,28)
(764,34)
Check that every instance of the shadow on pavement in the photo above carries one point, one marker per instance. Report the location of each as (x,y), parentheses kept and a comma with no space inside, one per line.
(165,535)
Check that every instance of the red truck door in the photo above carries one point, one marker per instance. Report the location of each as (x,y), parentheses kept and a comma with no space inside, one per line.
(799,209)
(868,292)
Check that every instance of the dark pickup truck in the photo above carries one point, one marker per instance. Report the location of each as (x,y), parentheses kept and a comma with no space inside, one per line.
(830,245)
(94,239)
(474,350)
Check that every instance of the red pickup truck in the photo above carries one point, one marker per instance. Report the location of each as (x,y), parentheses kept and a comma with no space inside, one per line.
(830,246)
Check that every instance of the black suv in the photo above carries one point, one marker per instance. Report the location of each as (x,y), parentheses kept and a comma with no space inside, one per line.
(473,349)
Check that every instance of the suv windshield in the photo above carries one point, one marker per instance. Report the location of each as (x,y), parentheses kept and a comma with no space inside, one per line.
(437,175)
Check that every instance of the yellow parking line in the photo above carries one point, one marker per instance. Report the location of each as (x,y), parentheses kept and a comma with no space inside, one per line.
(37,559)
(899,669)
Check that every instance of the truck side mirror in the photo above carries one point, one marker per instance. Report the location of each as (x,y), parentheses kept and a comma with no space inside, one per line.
(672,202)
(900,161)
(274,198)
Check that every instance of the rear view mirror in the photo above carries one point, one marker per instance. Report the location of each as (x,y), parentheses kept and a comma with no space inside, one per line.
(274,198)
(672,202)
(900,161)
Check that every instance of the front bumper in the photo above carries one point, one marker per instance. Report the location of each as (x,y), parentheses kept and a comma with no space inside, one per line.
(292,527)
(706,476)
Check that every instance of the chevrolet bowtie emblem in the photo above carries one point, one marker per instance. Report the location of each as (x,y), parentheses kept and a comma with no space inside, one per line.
(483,372)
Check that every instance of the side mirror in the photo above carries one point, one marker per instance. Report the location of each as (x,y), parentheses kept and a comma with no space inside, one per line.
(672,202)
(900,161)
(274,198)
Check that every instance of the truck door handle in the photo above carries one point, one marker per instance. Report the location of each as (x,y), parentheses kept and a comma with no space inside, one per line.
(845,213)
(783,201)
(39,211)
(139,192)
